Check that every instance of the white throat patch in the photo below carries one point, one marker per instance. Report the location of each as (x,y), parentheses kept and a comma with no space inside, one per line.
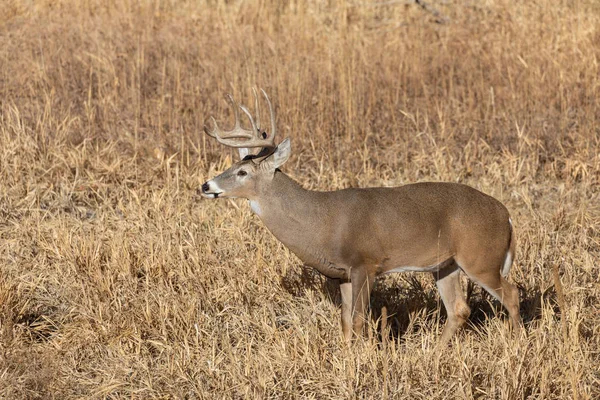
(255,207)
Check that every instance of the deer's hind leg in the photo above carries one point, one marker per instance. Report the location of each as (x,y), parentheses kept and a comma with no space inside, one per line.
(491,280)
(505,292)
(448,283)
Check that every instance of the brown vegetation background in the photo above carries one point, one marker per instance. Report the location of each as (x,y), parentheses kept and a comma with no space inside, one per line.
(116,281)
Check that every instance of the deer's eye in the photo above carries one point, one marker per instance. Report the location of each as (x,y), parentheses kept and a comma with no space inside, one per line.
(241,172)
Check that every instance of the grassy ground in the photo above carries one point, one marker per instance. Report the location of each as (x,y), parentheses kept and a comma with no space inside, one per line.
(116,281)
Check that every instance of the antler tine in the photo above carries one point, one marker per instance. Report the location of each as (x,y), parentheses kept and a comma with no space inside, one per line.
(273,126)
(236,112)
(209,132)
(256,108)
(236,133)
(253,136)
(254,127)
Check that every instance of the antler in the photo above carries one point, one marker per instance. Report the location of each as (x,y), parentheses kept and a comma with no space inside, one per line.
(254,137)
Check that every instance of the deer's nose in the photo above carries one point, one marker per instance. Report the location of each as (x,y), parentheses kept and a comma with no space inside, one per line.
(205,187)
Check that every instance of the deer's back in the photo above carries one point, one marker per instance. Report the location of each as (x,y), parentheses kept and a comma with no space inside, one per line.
(418,224)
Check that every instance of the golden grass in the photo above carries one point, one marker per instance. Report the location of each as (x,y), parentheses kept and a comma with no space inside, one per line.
(118,282)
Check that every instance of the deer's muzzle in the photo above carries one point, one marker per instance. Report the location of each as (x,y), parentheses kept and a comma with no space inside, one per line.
(210,190)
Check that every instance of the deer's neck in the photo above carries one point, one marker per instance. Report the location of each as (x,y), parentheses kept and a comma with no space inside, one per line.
(283,199)
(290,212)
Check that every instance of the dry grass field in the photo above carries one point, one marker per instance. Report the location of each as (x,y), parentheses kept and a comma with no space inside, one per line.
(118,281)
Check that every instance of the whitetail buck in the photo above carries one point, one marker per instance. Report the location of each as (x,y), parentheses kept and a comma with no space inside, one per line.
(354,235)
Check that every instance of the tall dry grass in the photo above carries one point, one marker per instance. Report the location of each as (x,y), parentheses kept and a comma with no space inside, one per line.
(118,282)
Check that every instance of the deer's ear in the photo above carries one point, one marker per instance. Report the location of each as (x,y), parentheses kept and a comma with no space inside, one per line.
(282,153)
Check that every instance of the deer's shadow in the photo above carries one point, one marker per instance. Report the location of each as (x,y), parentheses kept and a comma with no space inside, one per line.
(411,304)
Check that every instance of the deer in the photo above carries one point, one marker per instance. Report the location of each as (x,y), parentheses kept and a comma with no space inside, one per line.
(354,235)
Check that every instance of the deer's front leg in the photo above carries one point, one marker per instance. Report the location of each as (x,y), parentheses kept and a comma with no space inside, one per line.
(362,284)
(346,291)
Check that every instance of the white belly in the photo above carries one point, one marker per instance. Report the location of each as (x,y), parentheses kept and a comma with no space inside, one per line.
(430,268)
(427,268)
